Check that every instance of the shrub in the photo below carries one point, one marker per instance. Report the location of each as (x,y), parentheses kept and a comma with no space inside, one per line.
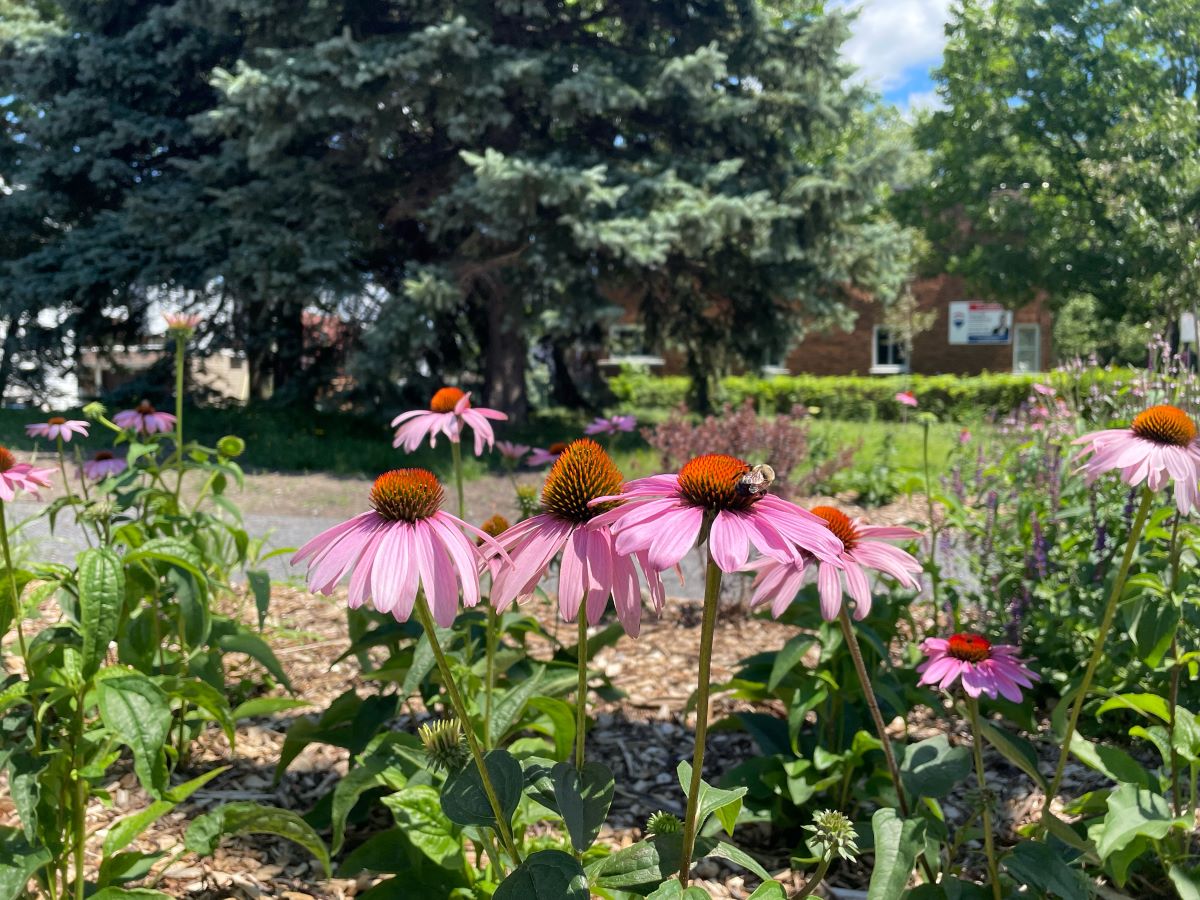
(949,397)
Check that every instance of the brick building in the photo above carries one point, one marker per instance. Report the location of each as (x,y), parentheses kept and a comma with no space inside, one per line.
(968,336)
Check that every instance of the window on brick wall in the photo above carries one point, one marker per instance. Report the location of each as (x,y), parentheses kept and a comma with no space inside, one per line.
(887,353)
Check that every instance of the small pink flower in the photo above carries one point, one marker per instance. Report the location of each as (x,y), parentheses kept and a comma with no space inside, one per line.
(592,570)
(864,547)
(509,450)
(663,516)
(449,411)
(1158,447)
(186,322)
(907,398)
(983,667)
(964,437)
(15,476)
(406,542)
(145,419)
(545,456)
(57,427)
(1044,389)
(102,464)
(611,425)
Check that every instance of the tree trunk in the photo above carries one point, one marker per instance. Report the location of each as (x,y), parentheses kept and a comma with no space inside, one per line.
(563,389)
(6,355)
(504,359)
(701,388)
(287,362)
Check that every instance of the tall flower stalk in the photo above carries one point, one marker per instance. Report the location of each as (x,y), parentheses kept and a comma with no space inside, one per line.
(1106,621)
(989,844)
(708,625)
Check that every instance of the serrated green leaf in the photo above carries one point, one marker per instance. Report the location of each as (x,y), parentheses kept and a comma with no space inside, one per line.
(18,863)
(1111,761)
(1015,749)
(464,800)
(583,798)
(897,845)
(726,804)
(137,712)
(932,768)
(1133,813)
(101,599)
(260,585)
(417,810)
(1037,865)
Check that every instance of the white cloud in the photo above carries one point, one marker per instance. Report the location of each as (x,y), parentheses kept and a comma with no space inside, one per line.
(921,100)
(892,37)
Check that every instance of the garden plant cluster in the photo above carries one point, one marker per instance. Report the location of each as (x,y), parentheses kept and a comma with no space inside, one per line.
(1043,612)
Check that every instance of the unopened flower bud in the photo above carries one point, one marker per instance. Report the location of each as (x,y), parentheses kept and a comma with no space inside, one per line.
(833,835)
(663,823)
(94,410)
(445,744)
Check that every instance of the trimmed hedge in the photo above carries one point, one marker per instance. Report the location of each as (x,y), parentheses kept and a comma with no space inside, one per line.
(954,398)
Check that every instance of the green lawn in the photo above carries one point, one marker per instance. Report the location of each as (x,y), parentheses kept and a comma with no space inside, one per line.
(343,444)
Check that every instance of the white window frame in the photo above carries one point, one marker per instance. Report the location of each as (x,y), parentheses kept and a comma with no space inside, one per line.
(884,368)
(1036,327)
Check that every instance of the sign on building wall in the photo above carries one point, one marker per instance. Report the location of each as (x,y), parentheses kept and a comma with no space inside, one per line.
(974,322)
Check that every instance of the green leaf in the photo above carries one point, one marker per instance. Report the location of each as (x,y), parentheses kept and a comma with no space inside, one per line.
(509,705)
(788,657)
(583,798)
(1015,749)
(169,550)
(726,850)
(119,893)
(932,768)
(726,804)
(125,867)
(1037,865)
(1185,881)
(1147,704)
(383,764)
(260,585)
(137,712)
(18,863)
(1152,624)
(545,875)
(464,800)
(385,852)
(267,706)
(205,832)
(1132,813)
(1111,761)
(897,843)
(562,722)
(643,866)
(101,599)
(243,641)
(769,890)
(673,890)
(417,810)
(124,831)
(204,696)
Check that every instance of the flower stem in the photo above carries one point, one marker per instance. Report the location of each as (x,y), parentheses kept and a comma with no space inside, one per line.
(79,822)
(581,663)
(16,597)
(1173,691)
(71,498)
(1110,610)
(460,710)
(934,576)
(811,884)
(864,681)
(989,844)
(180,344)
(489,643)
(712,594)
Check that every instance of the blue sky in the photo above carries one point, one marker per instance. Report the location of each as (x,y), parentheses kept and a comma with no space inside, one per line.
(895,44)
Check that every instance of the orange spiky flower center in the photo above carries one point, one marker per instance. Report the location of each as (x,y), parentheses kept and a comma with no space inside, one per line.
(495,526)
(7,460)
(102,455)
(1165,424)
(711,481)
(970,647)
(445,400)
(56,420)
(406,495)
(145,408)
(839,523)
(582,472)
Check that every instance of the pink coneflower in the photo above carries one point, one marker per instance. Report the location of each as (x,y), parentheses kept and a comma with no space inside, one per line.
(405,542)
(186,322)
(449,411)
(983,667)
(545,456)
(591,569)
(515,452)
(864,547)
(57,427)
(665,514)
(1044,389)
(907,398)
(611,425)
(1159,446)
(102,464)
(15,476)
(964,437)
(145,419)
